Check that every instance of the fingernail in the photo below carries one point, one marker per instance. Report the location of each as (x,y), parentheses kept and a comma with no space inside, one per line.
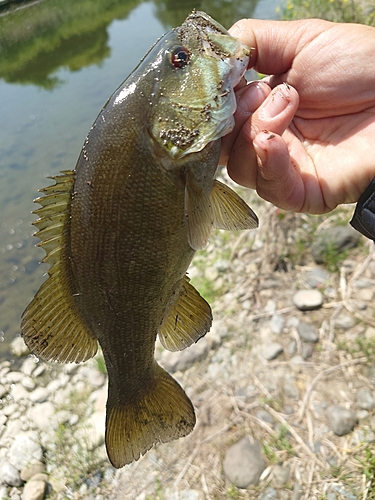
(251,98)
(277,101)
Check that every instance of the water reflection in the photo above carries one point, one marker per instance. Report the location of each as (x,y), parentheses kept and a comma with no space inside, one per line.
(59,62)
(40,38)
(224,11)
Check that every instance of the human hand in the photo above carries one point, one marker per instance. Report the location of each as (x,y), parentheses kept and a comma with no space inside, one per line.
(308,145)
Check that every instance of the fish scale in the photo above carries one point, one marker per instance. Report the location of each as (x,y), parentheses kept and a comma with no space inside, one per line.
(121,229)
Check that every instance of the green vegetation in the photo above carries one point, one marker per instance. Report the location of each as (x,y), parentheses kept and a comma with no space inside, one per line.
(346,11)
(233,493)
(159,492)
(275,403)
(368,463)
(72,458)
(100,363)
(75,455)
(365,347)
(333,257)
(210,282)
(277,444)
(302,236)
(359,348)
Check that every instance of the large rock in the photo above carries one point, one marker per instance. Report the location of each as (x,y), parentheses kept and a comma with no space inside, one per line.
(365,399)
(25,450)
(34,490)
(41,415)
(31,470)
(317,277)
(9,474)
(307,333)
(244,463)
(272,351)
(307,300)
(337,238)
(341,420)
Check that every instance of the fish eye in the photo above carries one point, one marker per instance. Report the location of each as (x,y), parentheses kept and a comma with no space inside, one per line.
(180,57)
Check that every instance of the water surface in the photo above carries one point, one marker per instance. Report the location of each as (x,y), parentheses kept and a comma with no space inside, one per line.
(59,62)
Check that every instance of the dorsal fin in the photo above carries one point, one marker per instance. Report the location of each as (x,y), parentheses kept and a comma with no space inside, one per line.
(50,326)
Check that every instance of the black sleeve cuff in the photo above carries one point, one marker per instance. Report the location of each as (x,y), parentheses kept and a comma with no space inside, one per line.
(364,215)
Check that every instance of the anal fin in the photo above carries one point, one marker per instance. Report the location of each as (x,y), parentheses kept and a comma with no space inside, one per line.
(187,319)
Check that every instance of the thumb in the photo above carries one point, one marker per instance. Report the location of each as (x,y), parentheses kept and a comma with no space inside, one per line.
(275,44)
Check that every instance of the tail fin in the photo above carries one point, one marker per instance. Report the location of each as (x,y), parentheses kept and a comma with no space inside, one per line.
(161,413)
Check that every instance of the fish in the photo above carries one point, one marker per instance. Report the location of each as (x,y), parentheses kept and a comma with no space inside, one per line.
(120,231)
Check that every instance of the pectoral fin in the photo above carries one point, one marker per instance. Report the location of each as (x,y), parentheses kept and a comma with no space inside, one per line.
(198,214)
(188,318)
(50,326)
(229,210)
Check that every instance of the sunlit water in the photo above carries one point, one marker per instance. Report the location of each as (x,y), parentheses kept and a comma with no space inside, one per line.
(42,130)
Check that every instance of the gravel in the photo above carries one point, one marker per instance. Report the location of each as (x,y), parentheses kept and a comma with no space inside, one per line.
(365,399)
(317,277)
(272,351)
(308,300)
(307,332)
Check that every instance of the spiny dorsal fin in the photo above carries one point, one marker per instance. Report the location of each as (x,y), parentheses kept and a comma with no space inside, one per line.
(188,318)
(50,326)
(229,210)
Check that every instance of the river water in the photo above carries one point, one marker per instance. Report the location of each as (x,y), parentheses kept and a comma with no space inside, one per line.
(59,62)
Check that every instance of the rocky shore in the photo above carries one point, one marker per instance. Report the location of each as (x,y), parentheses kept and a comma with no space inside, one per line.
(283,385)
(51,426)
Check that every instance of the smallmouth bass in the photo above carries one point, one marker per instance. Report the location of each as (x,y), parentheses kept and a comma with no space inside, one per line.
(121,229)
